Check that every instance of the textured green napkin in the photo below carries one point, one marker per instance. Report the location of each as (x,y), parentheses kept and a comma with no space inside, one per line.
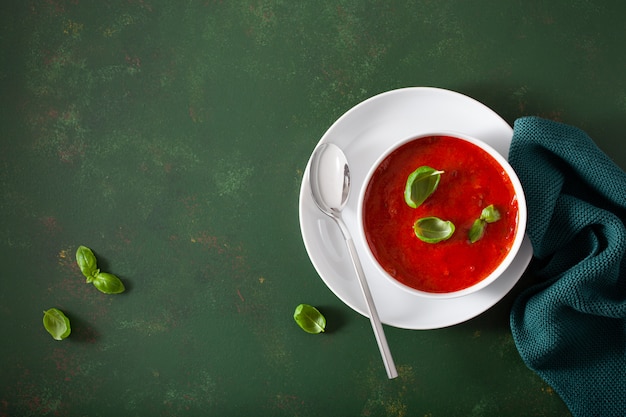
(571,327)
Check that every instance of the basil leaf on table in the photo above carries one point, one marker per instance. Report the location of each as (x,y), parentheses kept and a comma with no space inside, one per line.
(103,281)
(420,184)
(433,229)
(309,319)
(56,323)
(108,283)
(87,263)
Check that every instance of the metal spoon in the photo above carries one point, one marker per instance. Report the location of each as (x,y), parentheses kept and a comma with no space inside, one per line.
(329,177)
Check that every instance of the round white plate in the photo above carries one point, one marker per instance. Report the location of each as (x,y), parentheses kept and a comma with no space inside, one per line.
(364,133)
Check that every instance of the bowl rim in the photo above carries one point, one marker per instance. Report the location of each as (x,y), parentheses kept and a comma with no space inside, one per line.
(522,214)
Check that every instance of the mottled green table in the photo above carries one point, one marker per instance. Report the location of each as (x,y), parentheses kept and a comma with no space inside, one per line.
(171,137)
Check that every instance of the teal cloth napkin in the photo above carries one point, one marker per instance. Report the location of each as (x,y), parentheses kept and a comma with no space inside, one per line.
(570,328)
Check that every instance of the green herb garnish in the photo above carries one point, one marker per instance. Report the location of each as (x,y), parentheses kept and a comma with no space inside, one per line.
(108,283)
(489,215)
(56,323)
(87,263)
(433,229)
(103,281)
(420,184)
(309,319)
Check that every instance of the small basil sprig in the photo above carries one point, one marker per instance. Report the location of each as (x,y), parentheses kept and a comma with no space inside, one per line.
(56,323)
(420,184)
(489,215)
(433,229)
(309,319)
(103,281)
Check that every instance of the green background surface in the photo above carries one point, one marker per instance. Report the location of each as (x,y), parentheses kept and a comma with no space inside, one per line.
(171,138)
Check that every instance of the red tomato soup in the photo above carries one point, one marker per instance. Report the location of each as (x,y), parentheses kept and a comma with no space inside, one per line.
(472,180)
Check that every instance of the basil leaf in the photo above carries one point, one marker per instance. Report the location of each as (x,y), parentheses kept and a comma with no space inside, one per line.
(56,323)
(433,229)
(490,214)
(86,261)
(108,283)
(420,184)
(309,319)
(477,230)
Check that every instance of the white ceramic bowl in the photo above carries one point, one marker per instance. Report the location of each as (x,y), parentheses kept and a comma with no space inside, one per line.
(518,235)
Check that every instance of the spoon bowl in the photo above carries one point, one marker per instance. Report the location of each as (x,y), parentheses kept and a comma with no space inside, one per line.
(327,164)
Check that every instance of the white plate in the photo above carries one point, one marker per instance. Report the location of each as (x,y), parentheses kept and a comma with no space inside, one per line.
(364,133)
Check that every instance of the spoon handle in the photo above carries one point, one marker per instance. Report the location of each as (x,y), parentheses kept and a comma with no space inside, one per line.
(377,326)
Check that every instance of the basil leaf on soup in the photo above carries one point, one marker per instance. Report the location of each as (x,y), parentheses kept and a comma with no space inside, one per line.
(108,283)
(420,184)
(433,229)
(490,214)
(477,230)
(309,319)
(56,323)
(87,263)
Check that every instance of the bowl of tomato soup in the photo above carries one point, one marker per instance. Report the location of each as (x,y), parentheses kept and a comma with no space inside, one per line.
(442,215)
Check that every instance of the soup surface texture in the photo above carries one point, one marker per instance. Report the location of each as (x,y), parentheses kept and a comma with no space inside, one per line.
(471,181)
